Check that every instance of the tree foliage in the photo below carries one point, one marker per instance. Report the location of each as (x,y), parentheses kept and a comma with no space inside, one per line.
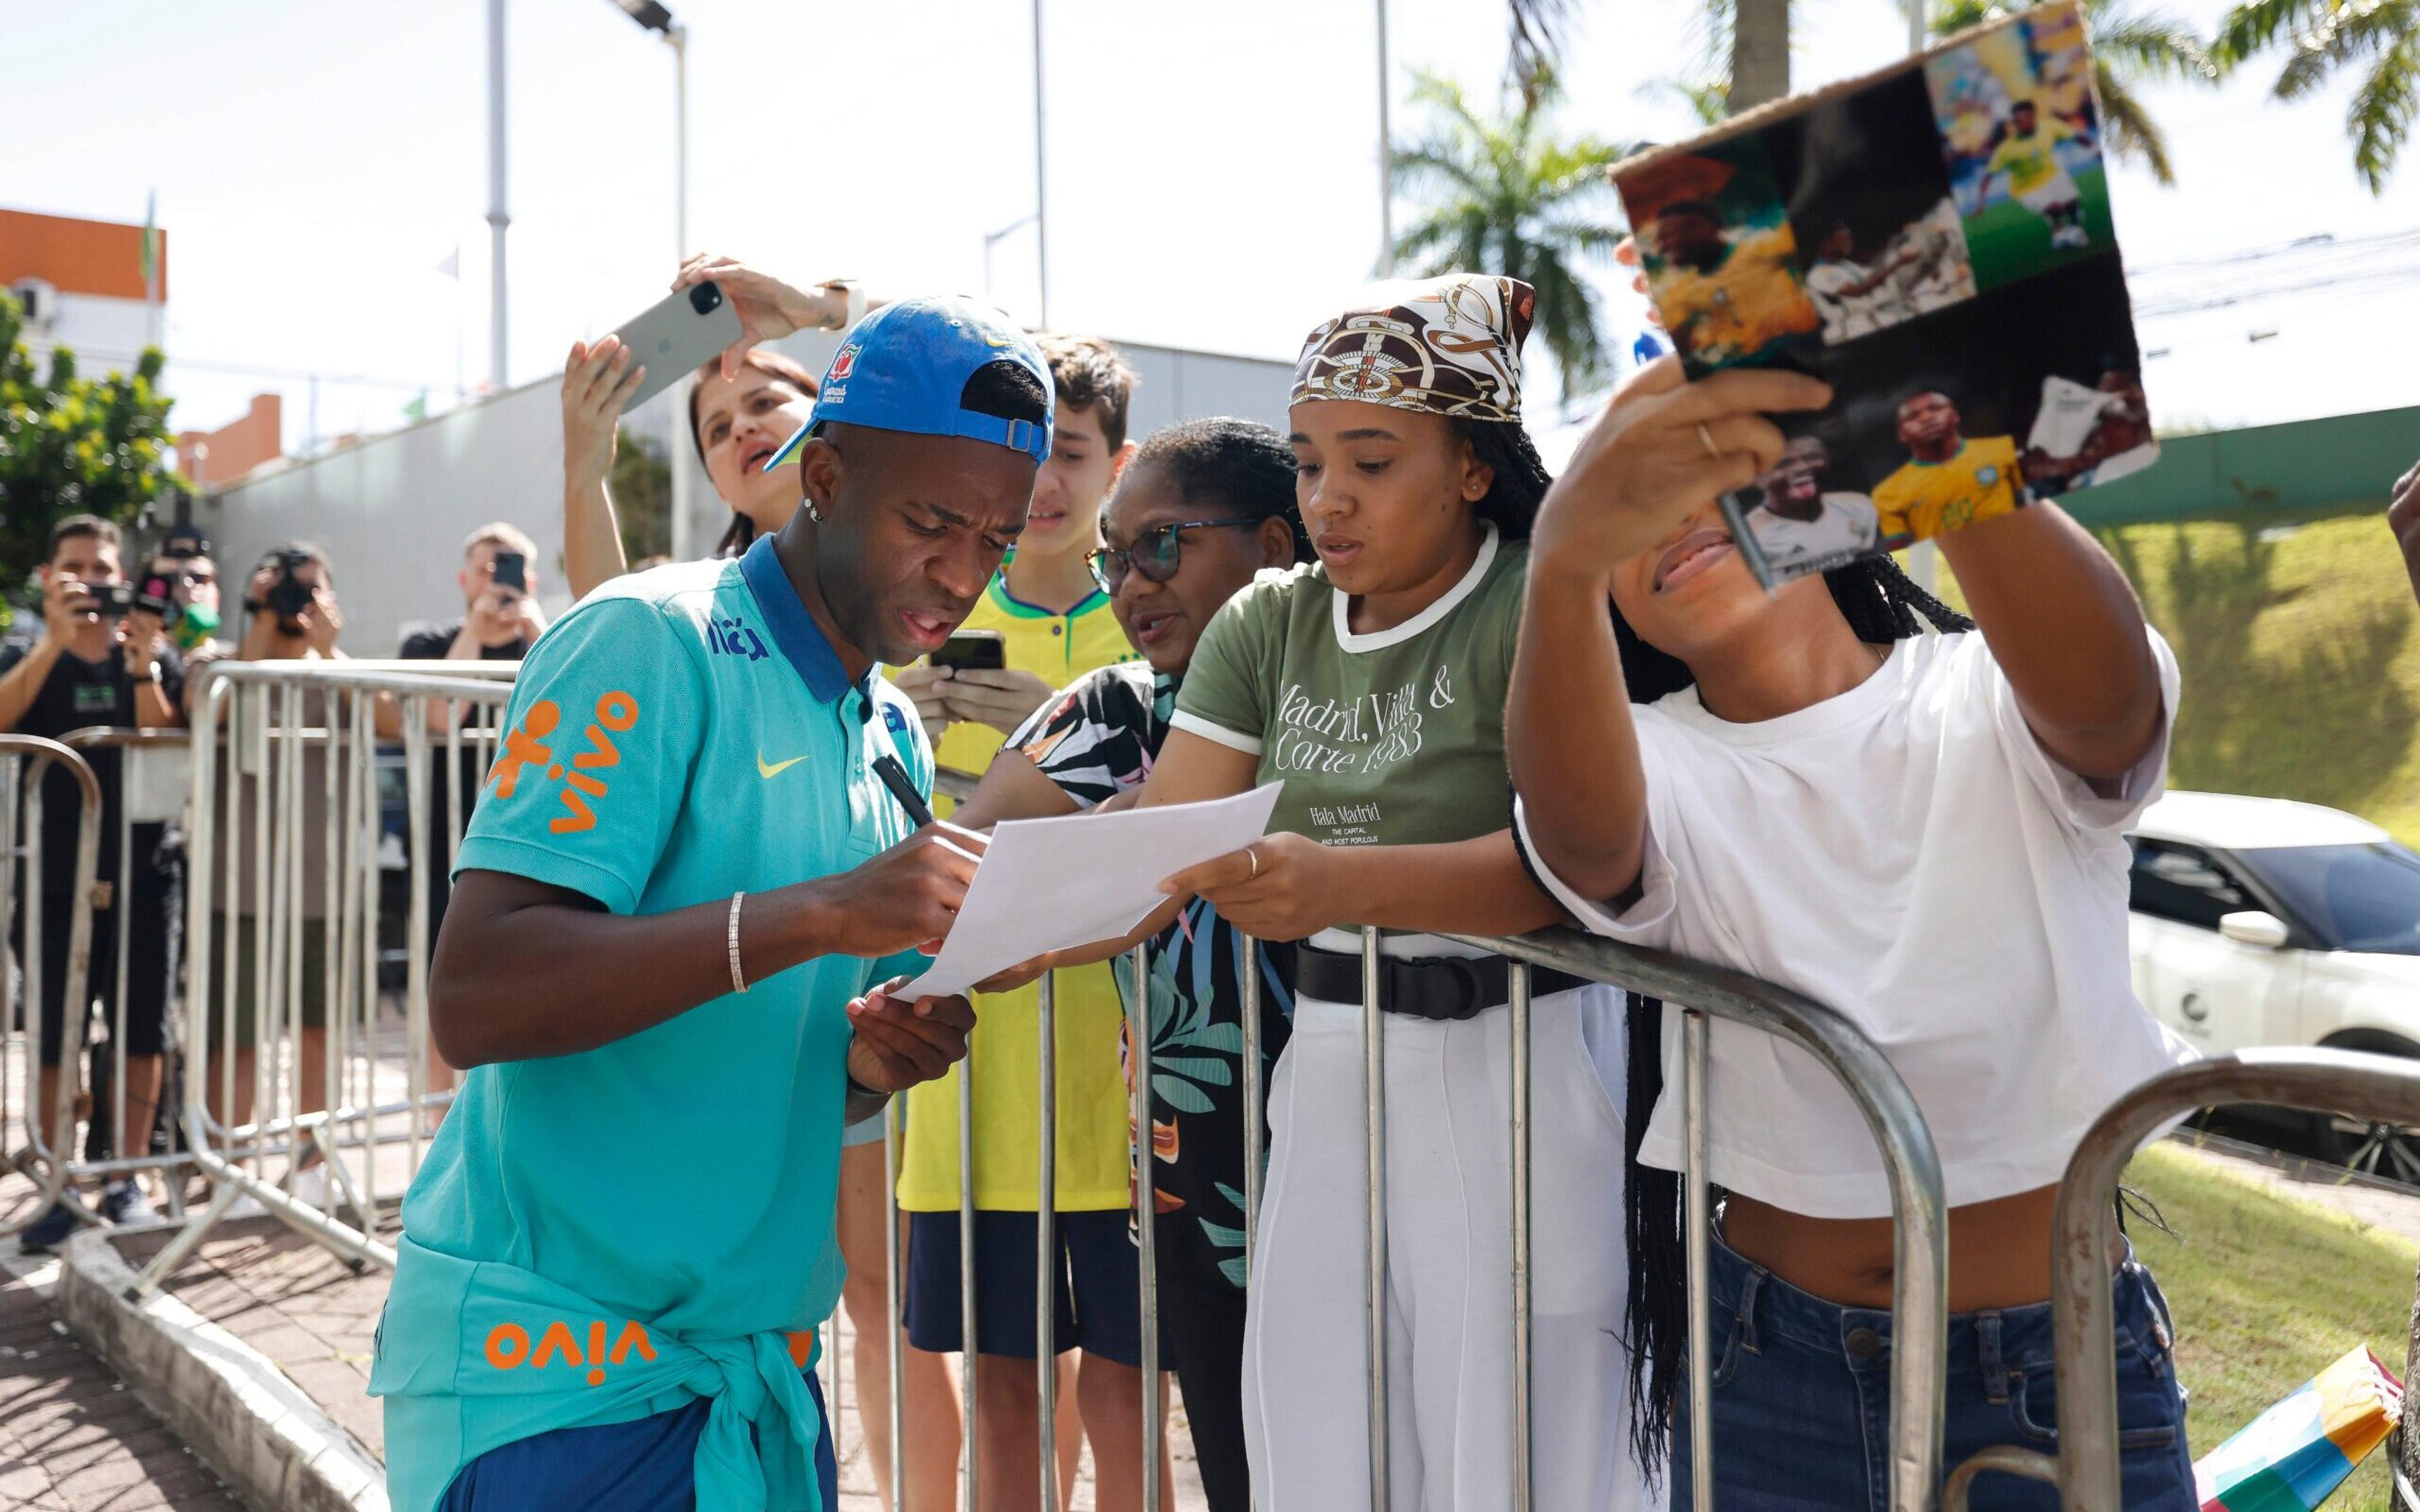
(72,445)
(2376,41)
(1503,194)
(642,485)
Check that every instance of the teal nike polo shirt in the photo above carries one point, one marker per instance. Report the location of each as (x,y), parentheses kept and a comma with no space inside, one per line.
(682,735)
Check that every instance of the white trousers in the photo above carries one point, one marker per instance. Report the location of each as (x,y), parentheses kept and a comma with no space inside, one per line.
(1449,1303)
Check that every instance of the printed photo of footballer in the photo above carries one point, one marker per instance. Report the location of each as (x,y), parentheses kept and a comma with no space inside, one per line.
(1953,418)
(1870,205)
(2020,140)
(1720,258)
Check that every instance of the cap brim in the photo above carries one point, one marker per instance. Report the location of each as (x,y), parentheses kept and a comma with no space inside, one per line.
(788,451)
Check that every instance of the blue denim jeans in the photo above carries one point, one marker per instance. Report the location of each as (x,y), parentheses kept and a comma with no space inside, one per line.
(1801,1398)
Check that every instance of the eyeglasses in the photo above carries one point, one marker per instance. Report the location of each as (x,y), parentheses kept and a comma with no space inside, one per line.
(1156,553)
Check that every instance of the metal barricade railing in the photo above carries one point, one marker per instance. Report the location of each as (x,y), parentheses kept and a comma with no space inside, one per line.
(152,782)
(286,761)
(1920,1271)
(47,1157)
(2086,1469)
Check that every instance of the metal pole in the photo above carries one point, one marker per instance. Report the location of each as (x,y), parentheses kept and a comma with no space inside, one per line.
(1916,28)
(1146,1222)
(683,480)
(1255,1127)
(1046,1249)
(498,218)
(1385,154)
(1517,1016)
(1374,1093)
(1699,1216)
(969,1482)
(1041,183)
(892,1127)
(415,935)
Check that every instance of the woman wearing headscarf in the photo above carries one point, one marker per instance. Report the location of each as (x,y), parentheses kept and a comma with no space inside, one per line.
(1372,683)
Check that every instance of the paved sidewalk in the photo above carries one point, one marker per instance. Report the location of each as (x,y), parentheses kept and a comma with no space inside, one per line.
(73,1439)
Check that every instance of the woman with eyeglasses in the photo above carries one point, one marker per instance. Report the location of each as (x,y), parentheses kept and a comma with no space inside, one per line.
(1204,507)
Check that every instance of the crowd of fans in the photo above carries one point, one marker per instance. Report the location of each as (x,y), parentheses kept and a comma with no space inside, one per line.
(1498,700)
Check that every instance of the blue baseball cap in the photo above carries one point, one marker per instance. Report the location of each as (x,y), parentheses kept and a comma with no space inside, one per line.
(907,367)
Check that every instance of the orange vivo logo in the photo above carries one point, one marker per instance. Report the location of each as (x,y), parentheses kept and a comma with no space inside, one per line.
(508,1346)
(528,747)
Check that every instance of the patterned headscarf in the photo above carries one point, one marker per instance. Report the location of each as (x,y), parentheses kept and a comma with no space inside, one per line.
(1450,345)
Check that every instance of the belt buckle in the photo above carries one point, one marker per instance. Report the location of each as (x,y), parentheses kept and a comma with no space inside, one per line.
(1464,972)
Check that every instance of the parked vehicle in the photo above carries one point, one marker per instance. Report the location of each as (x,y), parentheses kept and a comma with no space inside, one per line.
(2258,922)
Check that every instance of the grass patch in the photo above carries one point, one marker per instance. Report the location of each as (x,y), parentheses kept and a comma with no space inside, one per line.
(2302,673)
(2008,241)
(2266,1289)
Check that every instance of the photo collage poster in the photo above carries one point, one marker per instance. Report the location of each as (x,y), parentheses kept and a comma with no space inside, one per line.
(1935,242)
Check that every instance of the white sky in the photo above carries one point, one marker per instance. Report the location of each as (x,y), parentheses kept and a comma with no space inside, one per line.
(1212,172)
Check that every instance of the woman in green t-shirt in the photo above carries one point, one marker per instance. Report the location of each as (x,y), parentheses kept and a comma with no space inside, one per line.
(1372,682)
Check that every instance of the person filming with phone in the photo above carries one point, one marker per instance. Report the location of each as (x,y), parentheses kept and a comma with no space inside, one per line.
(101,660)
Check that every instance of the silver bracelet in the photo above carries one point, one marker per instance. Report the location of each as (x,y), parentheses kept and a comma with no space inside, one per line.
(738,978)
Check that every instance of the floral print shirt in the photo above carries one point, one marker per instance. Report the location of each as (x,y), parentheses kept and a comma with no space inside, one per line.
(1097,740)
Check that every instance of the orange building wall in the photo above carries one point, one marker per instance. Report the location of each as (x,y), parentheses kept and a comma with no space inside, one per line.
(234,449)
(95,257)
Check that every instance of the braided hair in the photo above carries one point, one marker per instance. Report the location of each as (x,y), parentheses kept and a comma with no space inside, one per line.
(1511,500)
(1882,604)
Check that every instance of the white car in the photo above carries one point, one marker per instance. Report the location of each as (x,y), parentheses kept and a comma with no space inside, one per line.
(2262,922)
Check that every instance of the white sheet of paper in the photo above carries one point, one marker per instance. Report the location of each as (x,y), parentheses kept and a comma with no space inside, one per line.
(1048,884)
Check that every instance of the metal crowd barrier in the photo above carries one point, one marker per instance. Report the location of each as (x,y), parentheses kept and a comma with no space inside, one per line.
(1702,994)
(47,1157)
(281,732)
(2086,1469)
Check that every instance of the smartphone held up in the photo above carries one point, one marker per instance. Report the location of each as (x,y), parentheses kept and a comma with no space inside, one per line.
(684,331)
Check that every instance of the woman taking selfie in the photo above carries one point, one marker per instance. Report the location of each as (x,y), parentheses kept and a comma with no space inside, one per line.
(1924,831)
(1372,684)
(742,408)
(1201,509)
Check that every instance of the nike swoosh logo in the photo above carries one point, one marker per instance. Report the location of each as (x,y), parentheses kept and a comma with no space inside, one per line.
(776,768)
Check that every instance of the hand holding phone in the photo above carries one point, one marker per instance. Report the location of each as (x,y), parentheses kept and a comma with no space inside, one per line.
(972,651)
(683,332)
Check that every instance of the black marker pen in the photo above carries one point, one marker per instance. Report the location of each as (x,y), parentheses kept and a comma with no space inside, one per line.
(895,777)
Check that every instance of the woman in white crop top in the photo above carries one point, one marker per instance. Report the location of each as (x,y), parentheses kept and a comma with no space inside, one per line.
(1924,831)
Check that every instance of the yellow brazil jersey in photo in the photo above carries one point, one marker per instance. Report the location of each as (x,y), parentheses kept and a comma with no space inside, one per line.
(1752,297)
(1924,499)
(2029,160)
(1004,1050)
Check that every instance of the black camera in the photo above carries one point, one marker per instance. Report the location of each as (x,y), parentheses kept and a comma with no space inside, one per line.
(157,596)
(706,298)
(111,600)
(289,595)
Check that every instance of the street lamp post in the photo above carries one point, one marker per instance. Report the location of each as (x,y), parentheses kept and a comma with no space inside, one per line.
(655,18)
(1041,183)
(1386,157)
(993,238)
(498,219)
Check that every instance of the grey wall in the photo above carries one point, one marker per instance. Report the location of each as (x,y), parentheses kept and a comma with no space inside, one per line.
(391,511)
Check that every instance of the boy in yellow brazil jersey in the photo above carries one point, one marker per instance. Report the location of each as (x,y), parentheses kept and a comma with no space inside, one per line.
(1055,625)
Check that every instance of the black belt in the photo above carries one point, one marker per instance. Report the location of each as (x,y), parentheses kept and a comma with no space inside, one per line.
(1438,987)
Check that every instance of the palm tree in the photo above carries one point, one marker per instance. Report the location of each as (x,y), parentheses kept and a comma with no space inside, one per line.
(2380,39)
(2129,48)
(1505,194)
(1537,40)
